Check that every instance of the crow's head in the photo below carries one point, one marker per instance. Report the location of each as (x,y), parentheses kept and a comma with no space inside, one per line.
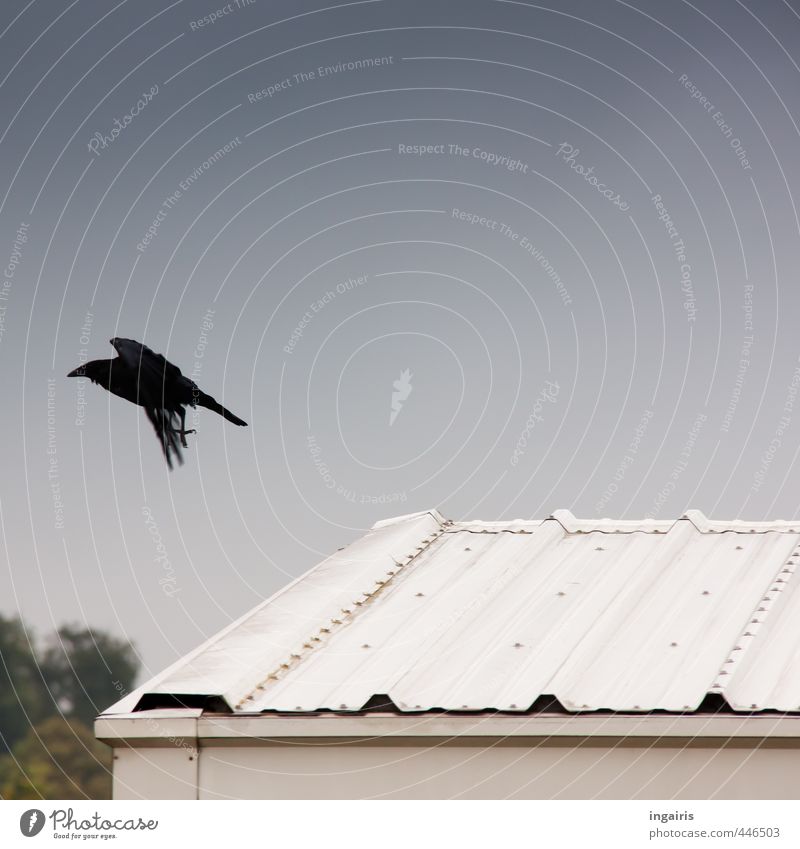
(98,371)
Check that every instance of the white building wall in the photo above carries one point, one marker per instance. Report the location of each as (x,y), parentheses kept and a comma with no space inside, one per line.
(335,770)
(155,773)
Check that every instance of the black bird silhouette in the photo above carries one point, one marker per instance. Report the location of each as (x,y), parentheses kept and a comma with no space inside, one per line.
(143,377)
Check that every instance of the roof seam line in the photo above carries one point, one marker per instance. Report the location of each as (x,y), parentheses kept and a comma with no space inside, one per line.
(746,639)
(348,614)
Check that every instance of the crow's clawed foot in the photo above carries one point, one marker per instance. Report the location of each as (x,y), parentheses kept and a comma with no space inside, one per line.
(183,434)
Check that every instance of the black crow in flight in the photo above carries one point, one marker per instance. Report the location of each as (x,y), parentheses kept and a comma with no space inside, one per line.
(143,377)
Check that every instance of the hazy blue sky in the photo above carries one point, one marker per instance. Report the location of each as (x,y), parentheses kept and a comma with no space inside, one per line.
(492,257)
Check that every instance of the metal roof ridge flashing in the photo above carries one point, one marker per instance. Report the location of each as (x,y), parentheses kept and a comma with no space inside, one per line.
(332,627)
(699,519)
(573,525)
(396,520)
(512,526)
(566,519)
(706,525)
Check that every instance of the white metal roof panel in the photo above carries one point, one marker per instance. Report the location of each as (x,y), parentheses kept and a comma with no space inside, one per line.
(601,614)
(765,668)
(233,662)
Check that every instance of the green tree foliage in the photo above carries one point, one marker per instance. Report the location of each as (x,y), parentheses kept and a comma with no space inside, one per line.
(57,759)
(23,694)
(87,670)
(48,702)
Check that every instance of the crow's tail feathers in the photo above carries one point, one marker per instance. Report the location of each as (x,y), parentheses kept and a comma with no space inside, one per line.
(164,423)
(210,404)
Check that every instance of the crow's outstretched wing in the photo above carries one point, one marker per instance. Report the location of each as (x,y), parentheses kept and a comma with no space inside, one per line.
(155,375)
(132,352)
(164,423)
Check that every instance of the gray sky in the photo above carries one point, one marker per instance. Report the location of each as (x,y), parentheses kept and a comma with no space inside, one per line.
(492,257)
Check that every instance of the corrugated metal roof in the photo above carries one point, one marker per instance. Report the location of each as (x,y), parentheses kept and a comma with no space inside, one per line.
(600,614)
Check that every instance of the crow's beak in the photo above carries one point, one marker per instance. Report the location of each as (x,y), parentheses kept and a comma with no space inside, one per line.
(77,372)
(113,341)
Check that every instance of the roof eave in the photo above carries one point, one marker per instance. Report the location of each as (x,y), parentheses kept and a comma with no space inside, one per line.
(182,727)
